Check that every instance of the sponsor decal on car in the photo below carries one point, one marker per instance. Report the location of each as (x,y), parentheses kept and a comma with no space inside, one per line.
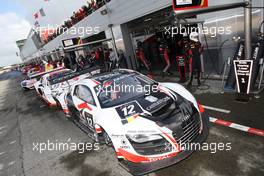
(129,112)
(158,103)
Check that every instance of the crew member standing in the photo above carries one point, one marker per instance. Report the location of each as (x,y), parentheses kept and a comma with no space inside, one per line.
(113,59)
(195,51)
(141,55)
(107,59)
(182,48)
(49,66)
(66,62)
(164,54)
(97,57)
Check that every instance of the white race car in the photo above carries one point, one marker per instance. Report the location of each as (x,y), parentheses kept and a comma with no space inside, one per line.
(51,85)
(147,125)
(32,78)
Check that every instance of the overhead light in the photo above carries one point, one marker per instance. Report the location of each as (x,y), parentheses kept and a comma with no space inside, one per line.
(148,19)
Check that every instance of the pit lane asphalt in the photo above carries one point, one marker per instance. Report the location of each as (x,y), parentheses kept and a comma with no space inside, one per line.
(25,119)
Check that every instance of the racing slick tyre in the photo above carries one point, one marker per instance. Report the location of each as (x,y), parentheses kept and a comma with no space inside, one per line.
(74,115)
(25,89)
(106,139)
(57,103)
(40,92)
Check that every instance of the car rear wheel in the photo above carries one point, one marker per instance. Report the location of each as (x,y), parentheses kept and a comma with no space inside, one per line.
(107,139)
(58,103)
(25,89)
(40,92)
(74,114)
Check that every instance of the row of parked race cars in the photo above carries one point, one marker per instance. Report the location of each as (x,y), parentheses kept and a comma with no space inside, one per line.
(148,129)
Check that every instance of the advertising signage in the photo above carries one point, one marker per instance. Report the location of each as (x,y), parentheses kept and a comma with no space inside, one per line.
(189,4)
(71,42)
(243,70)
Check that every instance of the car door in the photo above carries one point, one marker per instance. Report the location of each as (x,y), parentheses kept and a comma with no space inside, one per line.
(85,103)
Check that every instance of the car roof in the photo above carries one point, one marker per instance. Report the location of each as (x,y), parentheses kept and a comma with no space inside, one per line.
(51,74)
(111,75)
(102,78)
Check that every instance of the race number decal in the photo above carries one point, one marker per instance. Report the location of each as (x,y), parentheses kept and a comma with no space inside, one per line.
(129,109)
(88,120)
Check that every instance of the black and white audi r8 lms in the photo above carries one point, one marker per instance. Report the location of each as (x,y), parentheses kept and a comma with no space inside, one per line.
(51,85)
(147,123)
(32,78)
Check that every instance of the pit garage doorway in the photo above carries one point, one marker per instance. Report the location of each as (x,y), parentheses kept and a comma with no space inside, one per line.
(150,30)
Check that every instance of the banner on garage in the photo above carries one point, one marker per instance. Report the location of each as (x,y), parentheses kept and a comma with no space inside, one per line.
(71,42)
(189,4)
(243,71)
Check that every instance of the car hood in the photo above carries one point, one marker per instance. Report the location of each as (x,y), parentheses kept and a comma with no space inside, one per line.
(161,109)
(155,101)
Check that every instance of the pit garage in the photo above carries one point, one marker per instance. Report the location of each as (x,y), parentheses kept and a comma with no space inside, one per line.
(150,30)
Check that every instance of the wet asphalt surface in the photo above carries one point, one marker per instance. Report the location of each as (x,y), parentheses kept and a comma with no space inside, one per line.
(25,120)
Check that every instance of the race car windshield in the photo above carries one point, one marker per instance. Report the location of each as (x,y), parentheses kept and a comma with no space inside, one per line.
(122,89)
(55,77)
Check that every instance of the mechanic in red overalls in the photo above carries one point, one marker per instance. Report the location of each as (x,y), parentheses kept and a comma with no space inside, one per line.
(141,56)
(195,51)
(97,57)
(182,47)
(164,49)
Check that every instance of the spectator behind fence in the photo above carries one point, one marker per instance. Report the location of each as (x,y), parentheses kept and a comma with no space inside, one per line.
(85,11)
(78,16)
(93,5)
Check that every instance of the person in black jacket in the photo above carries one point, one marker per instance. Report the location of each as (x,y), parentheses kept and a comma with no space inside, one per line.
(195,51)
(66,62)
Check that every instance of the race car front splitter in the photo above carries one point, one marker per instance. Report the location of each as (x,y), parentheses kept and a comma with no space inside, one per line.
(145,168)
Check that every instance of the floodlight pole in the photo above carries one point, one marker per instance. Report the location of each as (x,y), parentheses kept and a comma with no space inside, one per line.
(248,29)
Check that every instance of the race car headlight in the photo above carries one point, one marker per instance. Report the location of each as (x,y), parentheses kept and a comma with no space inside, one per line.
(141,138)
(24,84)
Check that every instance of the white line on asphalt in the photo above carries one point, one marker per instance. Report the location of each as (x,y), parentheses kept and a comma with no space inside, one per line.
(2,153)
(216,109)
(1,166)
(12,142)
(11,163)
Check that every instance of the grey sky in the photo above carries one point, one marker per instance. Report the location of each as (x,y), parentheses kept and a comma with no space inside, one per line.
(15,24)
